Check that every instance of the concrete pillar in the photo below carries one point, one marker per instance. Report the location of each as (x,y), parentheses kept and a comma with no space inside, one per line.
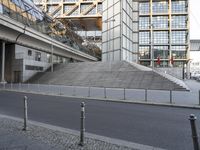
(3,63)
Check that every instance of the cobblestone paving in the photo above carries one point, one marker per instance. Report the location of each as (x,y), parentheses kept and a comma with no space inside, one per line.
(39,138)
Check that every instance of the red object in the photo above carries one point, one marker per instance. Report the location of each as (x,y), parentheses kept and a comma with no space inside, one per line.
(158,60)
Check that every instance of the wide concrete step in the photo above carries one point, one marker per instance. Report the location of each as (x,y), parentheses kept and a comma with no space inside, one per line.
(120,74)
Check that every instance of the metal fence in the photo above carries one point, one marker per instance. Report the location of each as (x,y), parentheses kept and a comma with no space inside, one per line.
(145,95)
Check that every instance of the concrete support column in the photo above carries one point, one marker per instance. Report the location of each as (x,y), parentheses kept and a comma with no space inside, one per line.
(3,63)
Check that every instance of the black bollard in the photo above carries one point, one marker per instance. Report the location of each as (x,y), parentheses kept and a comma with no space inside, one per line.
(25,113)
(82,125)
(192,119)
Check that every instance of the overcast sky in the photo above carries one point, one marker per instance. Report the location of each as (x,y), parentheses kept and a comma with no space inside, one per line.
(194,19)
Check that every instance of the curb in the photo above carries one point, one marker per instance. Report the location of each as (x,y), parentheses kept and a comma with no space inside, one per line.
(113,100)
(88,135)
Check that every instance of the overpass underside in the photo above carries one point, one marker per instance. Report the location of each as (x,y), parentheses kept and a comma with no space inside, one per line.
(85,15)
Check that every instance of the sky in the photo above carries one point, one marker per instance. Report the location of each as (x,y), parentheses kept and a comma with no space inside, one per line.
(194,19)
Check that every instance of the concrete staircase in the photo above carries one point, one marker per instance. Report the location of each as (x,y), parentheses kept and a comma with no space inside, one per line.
(173,79)
(120,74)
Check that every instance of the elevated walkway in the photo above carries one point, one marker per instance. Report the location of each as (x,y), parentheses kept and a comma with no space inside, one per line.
(120,74)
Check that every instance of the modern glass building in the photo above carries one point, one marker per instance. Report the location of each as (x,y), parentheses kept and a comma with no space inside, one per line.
(119,32)
(163,33)
(150,32)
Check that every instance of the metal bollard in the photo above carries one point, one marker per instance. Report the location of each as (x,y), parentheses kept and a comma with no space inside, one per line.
(192,119)
(82,124)
(146,95)
(25,113)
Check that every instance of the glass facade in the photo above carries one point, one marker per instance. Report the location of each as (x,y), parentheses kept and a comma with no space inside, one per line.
(119,30)
(144,8)
(160,6)
(179,6)
(160,22)
(163,32)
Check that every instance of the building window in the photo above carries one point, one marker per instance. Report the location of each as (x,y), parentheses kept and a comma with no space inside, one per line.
(160,22)
(144,8)
(144,38)
(178,37)
(161,51)
(179,52)
(35,68)
(37,56)
(160,37)
(29,53)
(144,52)
(144,23)
(160,7)
(178,6)
(179,22)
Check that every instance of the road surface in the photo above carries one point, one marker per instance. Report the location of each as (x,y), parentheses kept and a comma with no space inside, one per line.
(158,126)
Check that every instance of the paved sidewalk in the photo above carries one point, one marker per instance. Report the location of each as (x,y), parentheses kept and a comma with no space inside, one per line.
(46,137)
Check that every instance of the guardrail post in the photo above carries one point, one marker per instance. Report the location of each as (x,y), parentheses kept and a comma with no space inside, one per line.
(192,119)
(49,88)
(146,95)
(199,97)
(38,87)
(60,89)
(105,96)
(82,124)
(170,96)
(74,91)
(11,85)
(124,94)
(89,92)
(25,112)
(28,87)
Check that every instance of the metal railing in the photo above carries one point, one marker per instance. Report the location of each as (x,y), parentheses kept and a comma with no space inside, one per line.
(142,95)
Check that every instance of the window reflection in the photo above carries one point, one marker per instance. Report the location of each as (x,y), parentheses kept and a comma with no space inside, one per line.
(160,7)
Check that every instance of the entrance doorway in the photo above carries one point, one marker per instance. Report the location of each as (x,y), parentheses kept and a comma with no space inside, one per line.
(17,76)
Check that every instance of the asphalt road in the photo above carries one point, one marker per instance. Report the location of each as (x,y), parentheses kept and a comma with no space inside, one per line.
(158,126)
